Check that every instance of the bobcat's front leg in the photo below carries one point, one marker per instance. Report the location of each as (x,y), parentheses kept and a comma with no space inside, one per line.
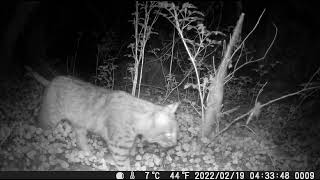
(119,147)
(82,139)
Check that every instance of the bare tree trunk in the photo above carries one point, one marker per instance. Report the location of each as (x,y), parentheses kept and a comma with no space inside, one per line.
(215,96)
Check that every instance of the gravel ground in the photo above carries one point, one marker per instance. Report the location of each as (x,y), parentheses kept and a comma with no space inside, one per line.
(281,138)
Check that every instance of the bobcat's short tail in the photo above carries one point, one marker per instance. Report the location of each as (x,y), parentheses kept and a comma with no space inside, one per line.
(37,76)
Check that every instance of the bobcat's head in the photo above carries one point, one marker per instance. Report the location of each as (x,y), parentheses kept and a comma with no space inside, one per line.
(164,128)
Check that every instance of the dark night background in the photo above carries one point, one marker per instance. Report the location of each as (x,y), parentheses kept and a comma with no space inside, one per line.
(50,29)
(45,34)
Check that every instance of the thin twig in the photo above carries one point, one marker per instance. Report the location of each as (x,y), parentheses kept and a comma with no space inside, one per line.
(261,106)
(256,60)
(178,85)
(260,91)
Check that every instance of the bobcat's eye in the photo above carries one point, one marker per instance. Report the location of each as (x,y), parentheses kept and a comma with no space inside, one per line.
(171,137)
(168,135)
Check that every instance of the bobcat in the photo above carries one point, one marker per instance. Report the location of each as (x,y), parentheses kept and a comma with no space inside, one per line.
(116,116)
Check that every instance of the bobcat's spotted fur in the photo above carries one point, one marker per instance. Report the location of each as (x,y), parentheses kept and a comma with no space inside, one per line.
(115,115)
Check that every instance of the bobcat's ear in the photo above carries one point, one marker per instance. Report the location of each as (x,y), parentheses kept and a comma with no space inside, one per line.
(172,108)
